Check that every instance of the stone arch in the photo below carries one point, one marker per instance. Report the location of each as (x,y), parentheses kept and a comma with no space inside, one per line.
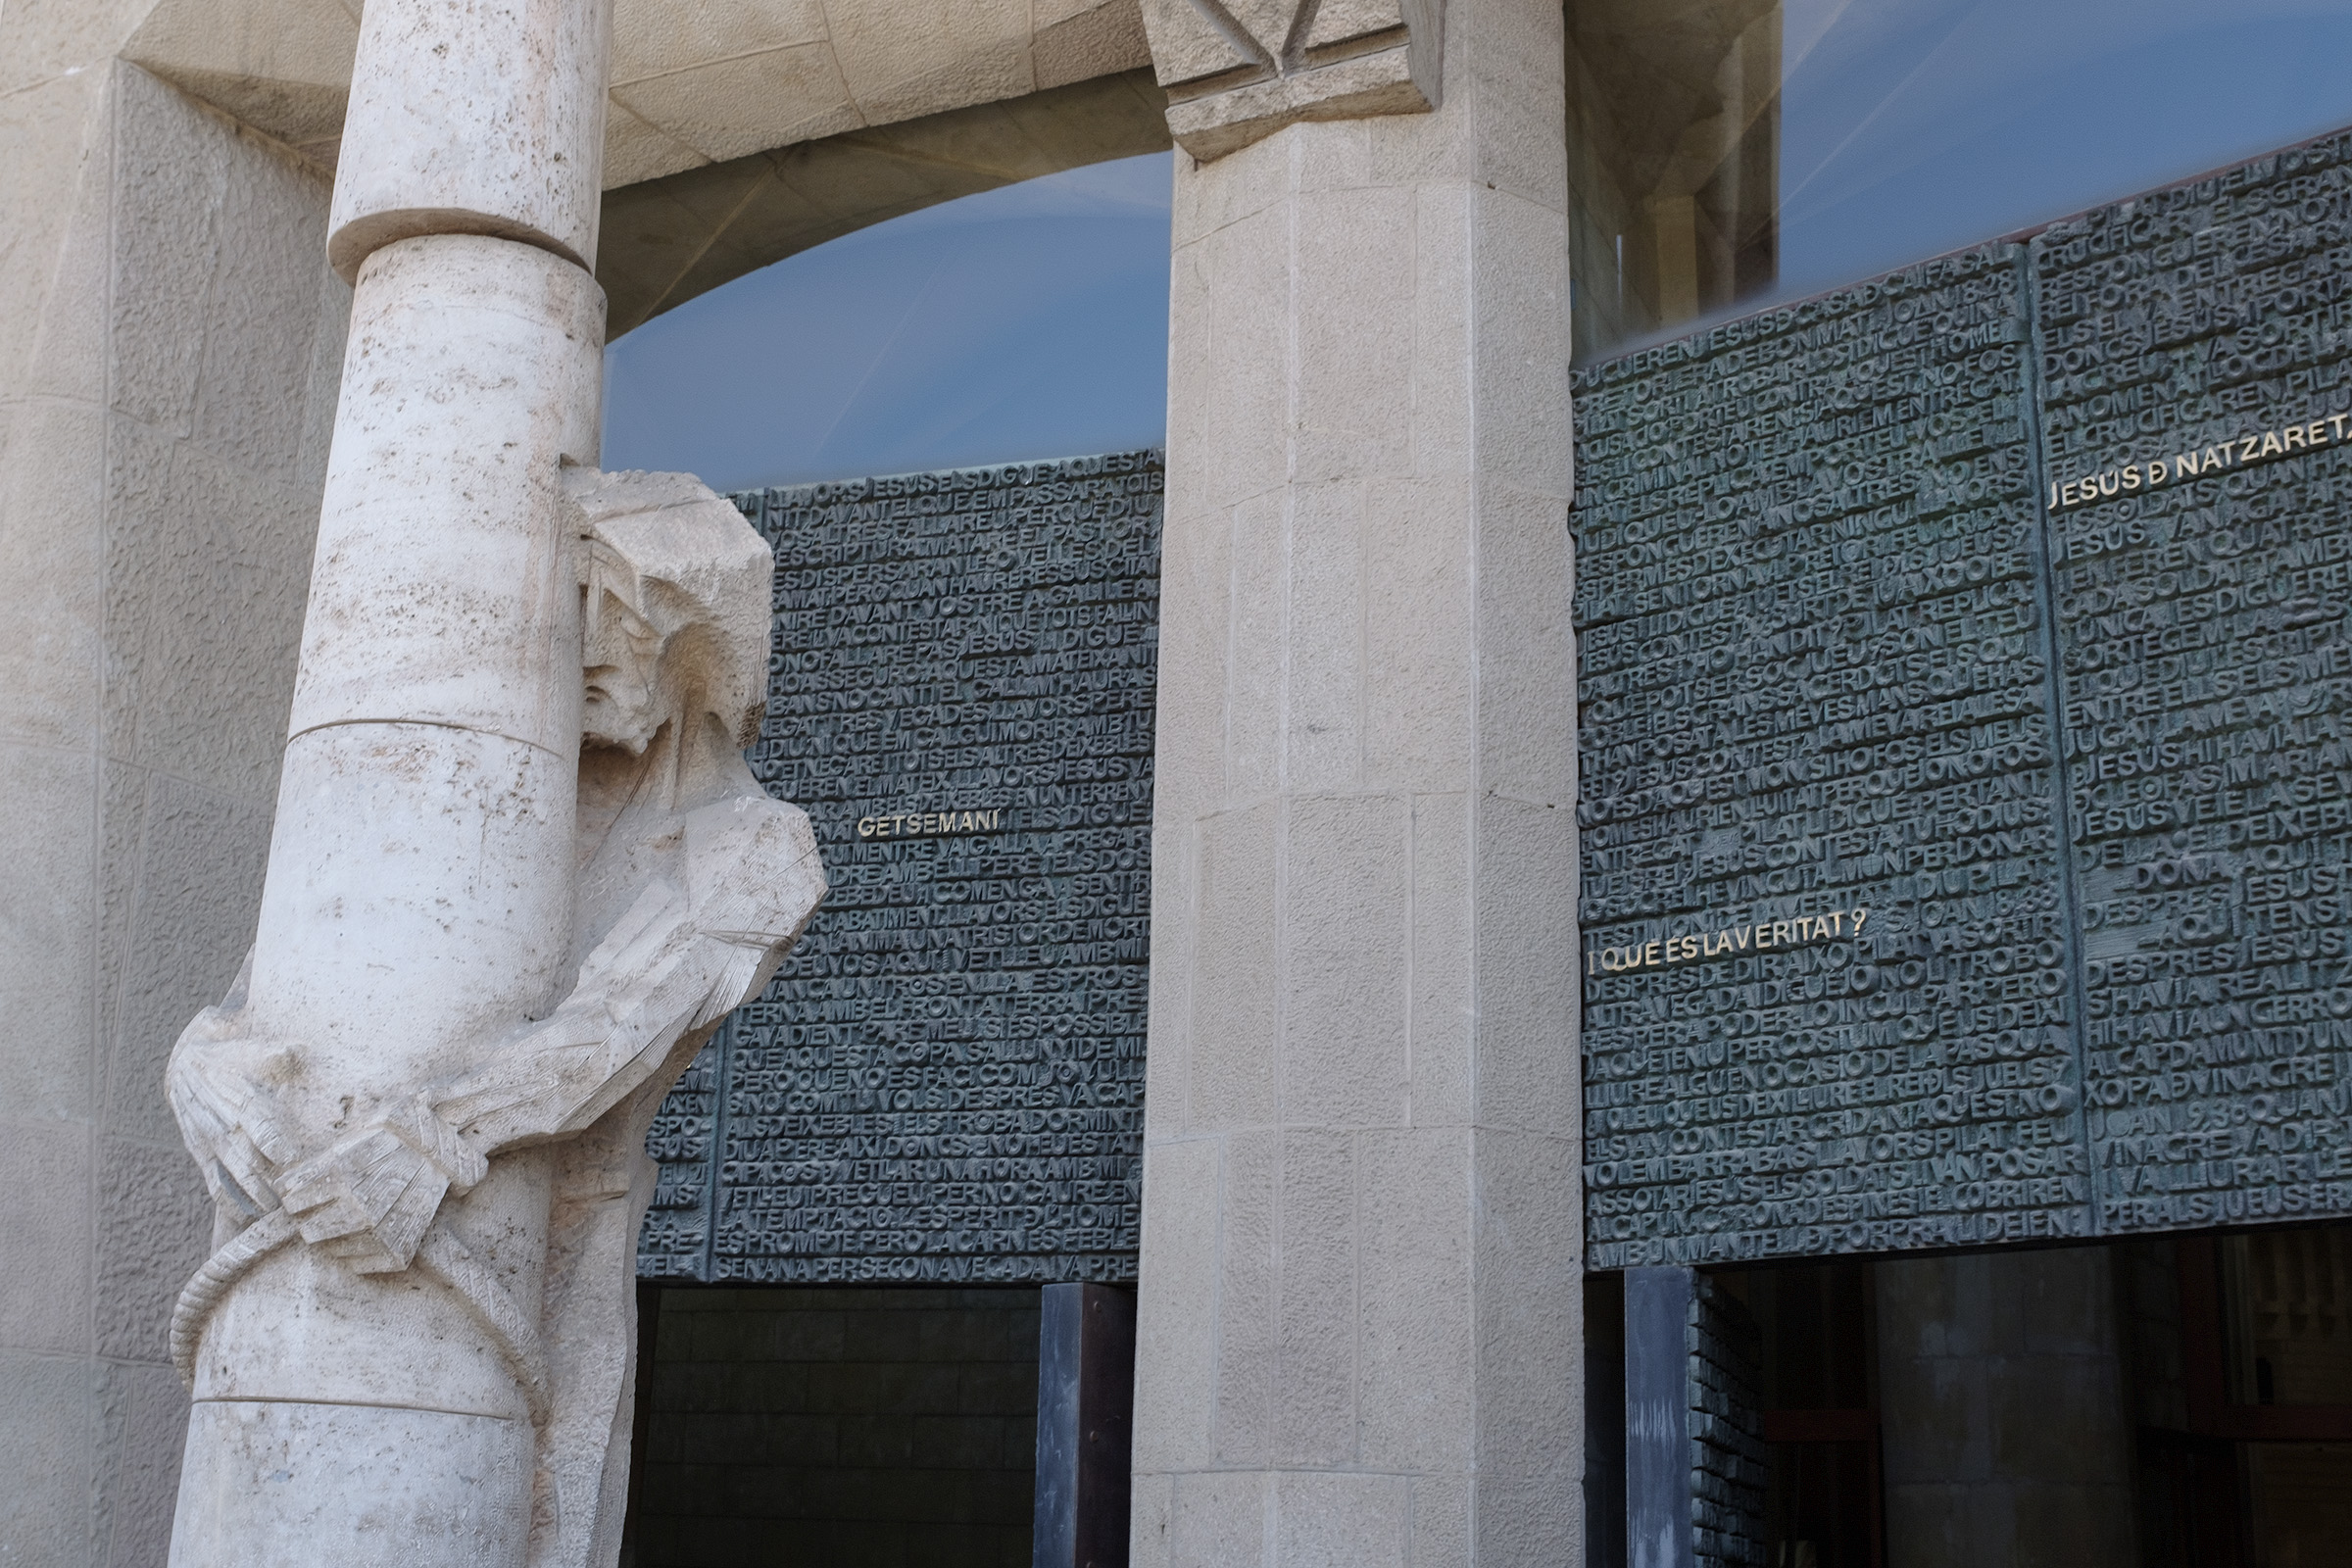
(739,135)
(668,239)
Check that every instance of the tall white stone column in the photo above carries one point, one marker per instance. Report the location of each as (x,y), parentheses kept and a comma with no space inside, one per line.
(1358,1331)
(419,895)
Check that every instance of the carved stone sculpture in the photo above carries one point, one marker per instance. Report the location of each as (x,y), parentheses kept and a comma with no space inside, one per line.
(692,885)
(1237,70)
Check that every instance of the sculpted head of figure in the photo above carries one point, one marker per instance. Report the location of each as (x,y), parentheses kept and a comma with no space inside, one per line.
(674,612)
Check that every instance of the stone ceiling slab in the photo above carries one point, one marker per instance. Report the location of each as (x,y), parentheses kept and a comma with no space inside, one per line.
(650,41)
(746,104)
(667,240)
(740,131)
(281,65)
(694,82)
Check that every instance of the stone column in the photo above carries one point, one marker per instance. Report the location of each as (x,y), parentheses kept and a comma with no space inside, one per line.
(1085,1425)
(1657,1418)
(418,902)
(1358,1319)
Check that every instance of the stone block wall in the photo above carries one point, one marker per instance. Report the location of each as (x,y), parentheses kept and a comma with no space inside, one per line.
(842,1427)
(170,344)
(2007,1437)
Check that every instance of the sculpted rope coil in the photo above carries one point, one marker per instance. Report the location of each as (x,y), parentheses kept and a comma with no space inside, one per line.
(210,1285)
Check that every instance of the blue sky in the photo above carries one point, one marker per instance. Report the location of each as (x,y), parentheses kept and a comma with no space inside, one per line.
(1910,127)
(1029,322)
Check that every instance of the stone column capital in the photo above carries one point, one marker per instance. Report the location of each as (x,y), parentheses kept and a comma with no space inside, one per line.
(1237,70)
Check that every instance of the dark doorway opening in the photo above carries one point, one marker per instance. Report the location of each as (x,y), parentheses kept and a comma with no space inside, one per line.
(2243,1392)
(847,1427)
(2182,1402)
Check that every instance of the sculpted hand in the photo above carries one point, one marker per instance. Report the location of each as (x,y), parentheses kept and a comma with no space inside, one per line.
(368,1198)
(217,1084)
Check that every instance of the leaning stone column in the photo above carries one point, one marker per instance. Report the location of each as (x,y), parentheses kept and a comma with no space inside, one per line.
(1358,1334)
(353,1408)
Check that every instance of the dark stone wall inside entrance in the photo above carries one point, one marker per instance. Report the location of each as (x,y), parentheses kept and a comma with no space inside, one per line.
(1966,811)
(837,1427)
(945,1083)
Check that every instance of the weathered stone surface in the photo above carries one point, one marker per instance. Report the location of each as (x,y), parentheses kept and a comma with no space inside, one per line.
(670,238)
(162,427)
(484,360)
(466,1207)
(508,1303)
(142,1416)
(51,1449)
(944,1081)
(153,1217)
(412,1340)
(485,117)
(690,86)
(384,1485)
(1238,74)
(1357,1322)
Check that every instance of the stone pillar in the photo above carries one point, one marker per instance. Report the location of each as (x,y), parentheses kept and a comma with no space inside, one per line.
(2002,1404)
(1657,1418)
(351,1410)
(1085,1425)
(1359,1316)
(1695,1464)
